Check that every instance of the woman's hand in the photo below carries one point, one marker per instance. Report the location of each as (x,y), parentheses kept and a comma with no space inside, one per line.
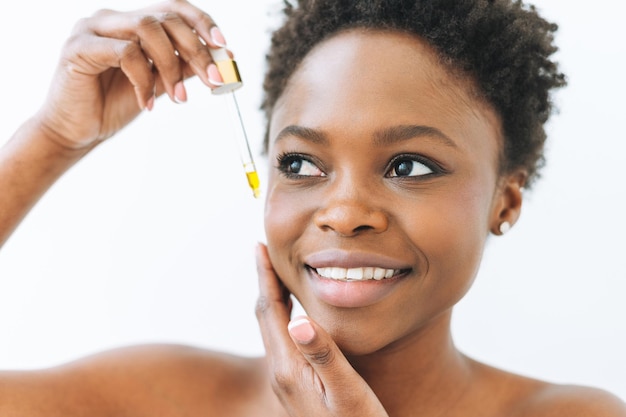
(115,64)
(311,376)
(112,67)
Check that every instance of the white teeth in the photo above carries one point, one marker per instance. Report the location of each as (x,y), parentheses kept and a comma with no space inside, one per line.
(355,274)
(338,273)
(379,273)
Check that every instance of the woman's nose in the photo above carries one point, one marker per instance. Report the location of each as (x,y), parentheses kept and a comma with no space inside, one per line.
(351,214)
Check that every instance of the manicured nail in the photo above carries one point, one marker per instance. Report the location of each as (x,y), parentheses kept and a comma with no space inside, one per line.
(217,37)
(215,77)
(150,104)
(180,93)
(301,330)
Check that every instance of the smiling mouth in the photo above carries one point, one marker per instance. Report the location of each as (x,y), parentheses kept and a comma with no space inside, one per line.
(358,274)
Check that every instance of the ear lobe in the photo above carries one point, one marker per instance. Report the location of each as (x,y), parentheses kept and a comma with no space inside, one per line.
(507,205)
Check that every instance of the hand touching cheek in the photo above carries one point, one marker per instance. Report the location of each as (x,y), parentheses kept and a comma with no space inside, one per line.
(310,375)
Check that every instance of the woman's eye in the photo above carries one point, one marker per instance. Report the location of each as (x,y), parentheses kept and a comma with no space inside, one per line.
(407,167)
(299,166)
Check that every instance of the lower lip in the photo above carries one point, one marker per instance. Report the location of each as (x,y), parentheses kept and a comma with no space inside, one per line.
(352,294)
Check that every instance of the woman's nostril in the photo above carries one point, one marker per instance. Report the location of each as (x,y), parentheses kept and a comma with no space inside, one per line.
(363,228)
(351,219)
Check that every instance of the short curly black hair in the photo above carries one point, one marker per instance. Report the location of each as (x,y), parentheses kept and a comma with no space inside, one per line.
(504,45)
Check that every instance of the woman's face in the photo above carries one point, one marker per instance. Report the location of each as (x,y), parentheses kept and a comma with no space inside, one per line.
(383,187)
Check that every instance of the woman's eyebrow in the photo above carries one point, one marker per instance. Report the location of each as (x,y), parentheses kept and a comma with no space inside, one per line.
(382,137)
(400,133)
(305,133)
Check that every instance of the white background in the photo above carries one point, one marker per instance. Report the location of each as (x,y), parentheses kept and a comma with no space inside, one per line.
(150,238)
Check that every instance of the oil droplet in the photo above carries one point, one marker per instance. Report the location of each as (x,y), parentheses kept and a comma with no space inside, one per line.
(254,183)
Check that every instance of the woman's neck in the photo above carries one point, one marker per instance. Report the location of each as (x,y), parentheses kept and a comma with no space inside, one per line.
(419,373)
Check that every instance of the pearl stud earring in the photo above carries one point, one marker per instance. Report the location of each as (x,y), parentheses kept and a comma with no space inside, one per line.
(504,227)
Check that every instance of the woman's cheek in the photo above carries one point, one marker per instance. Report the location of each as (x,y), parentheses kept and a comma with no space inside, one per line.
(286,219)
(461,236)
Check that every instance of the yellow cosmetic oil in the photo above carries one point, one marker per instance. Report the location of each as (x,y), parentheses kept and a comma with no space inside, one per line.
(232,81)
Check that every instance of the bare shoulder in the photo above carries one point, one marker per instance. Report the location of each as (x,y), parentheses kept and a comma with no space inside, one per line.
(573,401)
(520,396)
(142,380)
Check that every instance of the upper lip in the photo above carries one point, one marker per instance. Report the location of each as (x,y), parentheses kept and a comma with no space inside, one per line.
(352,259)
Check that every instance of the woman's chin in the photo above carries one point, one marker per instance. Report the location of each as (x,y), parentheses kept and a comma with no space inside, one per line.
(354,338)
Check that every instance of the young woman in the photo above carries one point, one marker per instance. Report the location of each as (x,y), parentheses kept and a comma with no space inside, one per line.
(400,135)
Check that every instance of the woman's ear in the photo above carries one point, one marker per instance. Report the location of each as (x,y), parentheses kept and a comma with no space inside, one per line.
(507,204)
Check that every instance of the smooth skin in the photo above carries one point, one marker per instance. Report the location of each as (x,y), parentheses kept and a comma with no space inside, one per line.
(370,163)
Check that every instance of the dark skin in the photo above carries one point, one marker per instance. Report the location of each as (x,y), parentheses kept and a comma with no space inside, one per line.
(384,170)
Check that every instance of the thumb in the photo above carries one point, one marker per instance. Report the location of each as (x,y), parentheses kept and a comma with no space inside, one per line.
(324,356)
(344,389)
(319,350)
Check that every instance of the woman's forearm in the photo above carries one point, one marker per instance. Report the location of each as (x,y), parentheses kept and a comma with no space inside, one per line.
(30,162)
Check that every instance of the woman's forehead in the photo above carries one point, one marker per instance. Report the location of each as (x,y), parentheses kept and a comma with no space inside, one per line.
(358,77)
(374,53)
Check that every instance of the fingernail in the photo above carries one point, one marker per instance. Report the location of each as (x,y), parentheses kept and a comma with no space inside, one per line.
(301,330)
(217,37)
(215,77)
(150,104)
(180,93)
(257,251)
(258,248)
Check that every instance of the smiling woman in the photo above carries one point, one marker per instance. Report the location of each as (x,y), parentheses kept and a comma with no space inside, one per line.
(359,211)
(389,173)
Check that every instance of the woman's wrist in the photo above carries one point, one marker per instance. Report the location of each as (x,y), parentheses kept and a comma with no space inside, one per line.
(47,136)
(30,162)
